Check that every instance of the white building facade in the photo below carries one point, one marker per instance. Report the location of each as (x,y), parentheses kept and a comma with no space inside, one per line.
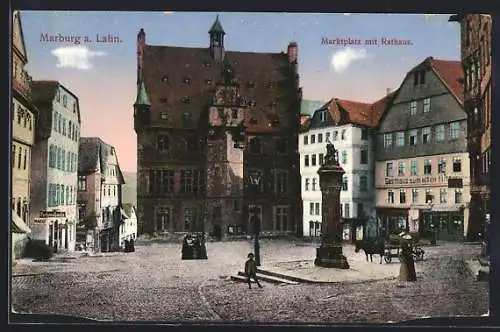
(128,227)
(54,166)
(348,125)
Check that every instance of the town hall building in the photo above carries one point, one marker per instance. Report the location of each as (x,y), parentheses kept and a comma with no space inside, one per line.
(217,138)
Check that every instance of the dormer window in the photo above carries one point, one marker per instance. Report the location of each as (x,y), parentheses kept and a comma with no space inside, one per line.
(58,95)
(253,121)
(187,80)
(65,100)
(322,116)
(251,84)
(163,116)
(164,79)
(208,81)
(74,107)
(186,100)
(163,100)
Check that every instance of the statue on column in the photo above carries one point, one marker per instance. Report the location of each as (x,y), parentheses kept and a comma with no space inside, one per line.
(332,155)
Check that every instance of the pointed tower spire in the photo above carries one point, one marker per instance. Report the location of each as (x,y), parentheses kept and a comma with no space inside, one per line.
(216,27)
(142,96)
(217,33)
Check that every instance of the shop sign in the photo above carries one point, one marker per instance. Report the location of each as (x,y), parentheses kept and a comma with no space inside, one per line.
(416,180)
(39,221)
(52,214)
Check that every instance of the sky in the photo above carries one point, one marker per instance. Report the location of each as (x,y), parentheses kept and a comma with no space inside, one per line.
(103,75)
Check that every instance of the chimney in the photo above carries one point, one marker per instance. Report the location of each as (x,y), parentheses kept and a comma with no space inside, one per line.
(292,52)
(388,91)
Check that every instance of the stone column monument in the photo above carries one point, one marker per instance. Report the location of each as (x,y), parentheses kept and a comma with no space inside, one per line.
(329,254)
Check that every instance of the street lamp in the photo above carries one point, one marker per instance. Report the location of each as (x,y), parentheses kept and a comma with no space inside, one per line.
(432,226)
(255,222)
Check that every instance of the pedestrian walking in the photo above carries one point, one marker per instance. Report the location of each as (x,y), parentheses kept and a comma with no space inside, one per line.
(251,271)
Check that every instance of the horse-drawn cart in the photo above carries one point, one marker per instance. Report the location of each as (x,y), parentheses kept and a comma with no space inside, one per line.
(393,247)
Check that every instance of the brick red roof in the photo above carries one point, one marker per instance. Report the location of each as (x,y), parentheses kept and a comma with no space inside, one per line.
(305,120)
(173,73)
(364,114)
(451,73)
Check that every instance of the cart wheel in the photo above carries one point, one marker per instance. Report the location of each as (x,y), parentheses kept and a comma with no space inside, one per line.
(387,258)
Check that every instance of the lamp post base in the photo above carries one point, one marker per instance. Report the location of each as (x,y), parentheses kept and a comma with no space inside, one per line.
(331,256)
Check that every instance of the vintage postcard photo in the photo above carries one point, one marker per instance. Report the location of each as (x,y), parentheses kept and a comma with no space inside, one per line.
(250,167)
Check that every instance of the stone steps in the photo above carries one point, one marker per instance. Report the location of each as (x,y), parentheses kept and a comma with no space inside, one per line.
(281,276)
(240,277)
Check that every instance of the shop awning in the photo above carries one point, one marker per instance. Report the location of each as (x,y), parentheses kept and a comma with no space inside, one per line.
(18,225)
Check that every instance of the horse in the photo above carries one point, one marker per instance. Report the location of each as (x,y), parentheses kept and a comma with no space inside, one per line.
(371,247)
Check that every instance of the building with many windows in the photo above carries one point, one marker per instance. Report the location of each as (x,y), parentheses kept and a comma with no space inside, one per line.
(476,61)
(23,126)
(349,126)
(100,210)
(54,165)
(217,138)
(422,165)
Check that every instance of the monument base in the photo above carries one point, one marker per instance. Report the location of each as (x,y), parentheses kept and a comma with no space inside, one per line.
(331,256)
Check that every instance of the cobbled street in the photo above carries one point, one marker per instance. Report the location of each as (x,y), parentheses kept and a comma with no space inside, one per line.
(153,283)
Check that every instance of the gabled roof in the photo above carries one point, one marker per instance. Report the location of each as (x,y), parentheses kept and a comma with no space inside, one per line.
(93,154)
(172,73)
(19,45)
(305,121)
(44,92)
(129,209)
(381,106)
(343,111)
(449,71)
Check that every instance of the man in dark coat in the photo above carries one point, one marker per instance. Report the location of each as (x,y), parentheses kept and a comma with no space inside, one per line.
(251,271)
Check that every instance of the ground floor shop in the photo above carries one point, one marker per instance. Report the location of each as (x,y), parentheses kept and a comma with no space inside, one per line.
(392,221)
(109,239)
(442,225)
(55,230)
(440,222)
(353,229)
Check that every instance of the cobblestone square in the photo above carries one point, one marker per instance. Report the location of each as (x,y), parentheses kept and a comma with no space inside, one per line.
(155,284)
